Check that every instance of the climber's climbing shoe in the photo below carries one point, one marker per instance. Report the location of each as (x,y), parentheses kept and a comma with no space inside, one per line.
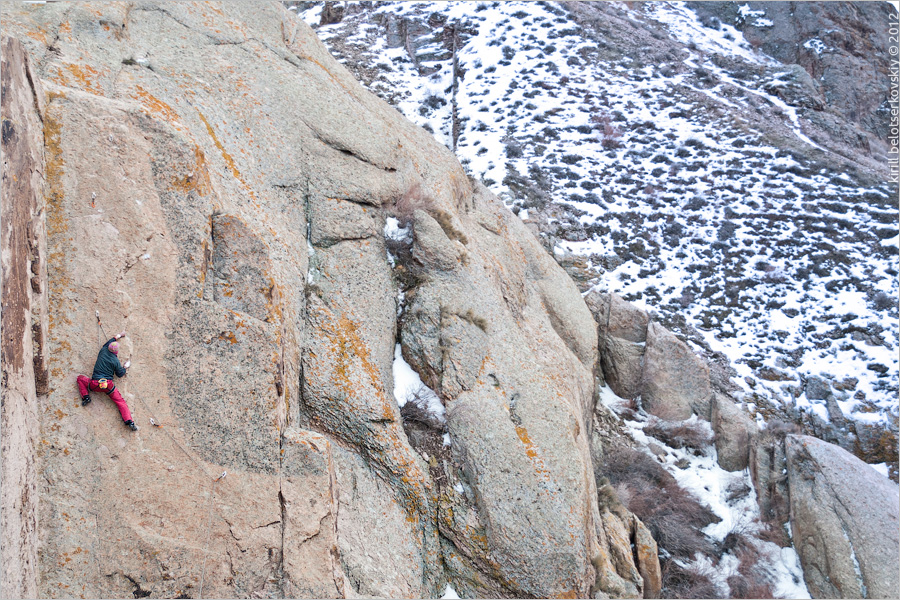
(85,400)
(132,425)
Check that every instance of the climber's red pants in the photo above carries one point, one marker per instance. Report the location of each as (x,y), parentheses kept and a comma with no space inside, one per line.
(84,384)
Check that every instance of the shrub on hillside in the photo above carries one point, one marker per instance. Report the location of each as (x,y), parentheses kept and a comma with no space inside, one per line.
(416,410)
(749,581)
(682,582)
(673,516)
(611,135)
(413,199)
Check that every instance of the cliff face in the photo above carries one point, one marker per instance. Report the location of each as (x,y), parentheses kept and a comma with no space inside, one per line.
(24,317)
(218,186)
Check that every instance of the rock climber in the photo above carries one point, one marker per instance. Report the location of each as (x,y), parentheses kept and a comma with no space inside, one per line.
(101,380)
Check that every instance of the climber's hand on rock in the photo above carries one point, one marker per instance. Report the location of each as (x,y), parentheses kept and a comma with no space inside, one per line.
(120,335)
(127,364)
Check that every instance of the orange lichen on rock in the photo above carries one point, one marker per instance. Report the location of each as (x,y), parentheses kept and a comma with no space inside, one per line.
(37,34)
(154,104)
(350,348)
(358,382)
(197,180)
(57,222)
(532,453)
(229,336)
(85,78)
(229,161)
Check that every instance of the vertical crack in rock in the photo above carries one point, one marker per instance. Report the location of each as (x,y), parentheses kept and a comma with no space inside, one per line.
(280,568)
(336,570)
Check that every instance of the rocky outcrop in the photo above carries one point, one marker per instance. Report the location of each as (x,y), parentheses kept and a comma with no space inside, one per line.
(734,429)
(646,553)
(218,185)
(674,381)
(643,358)
(844,517)
(640,358)
(768,470)
(843,514)
(842,55)
(623,335)
(25,318)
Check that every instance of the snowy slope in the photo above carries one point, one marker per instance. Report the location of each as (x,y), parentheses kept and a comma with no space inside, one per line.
(661,178)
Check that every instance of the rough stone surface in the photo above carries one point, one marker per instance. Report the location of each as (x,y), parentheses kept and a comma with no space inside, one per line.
(675,381)
(796,87)
(519,435)
(847,69)
(768,468)
(372,560)
(626,321)
(621,579)
(623,367)
(734,429)
(216,185)
(622,330)
(845,522)
(309,509)
(647,558)
(25,319)
(433,248)
(817,388)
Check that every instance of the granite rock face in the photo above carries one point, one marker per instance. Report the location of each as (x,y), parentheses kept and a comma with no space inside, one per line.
(734,430)
(217,185)
(25,317)
(845,521)
(675,381)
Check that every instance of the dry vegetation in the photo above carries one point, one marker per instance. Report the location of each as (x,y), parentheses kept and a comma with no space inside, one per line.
(424,430)
(673,516)
(680,582)
(681,434)
(676,519)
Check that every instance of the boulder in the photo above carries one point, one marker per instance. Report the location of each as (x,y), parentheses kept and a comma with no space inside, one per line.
(619,574)
(795,87)
(626,321)
(768,471)
(675,381)
(622,330)
(646,555)
(622,363)
(817,388)
(332,12)
(433,247)
(844,520)
(734,429)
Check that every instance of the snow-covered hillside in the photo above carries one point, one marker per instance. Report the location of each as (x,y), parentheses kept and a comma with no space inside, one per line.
(679,178)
